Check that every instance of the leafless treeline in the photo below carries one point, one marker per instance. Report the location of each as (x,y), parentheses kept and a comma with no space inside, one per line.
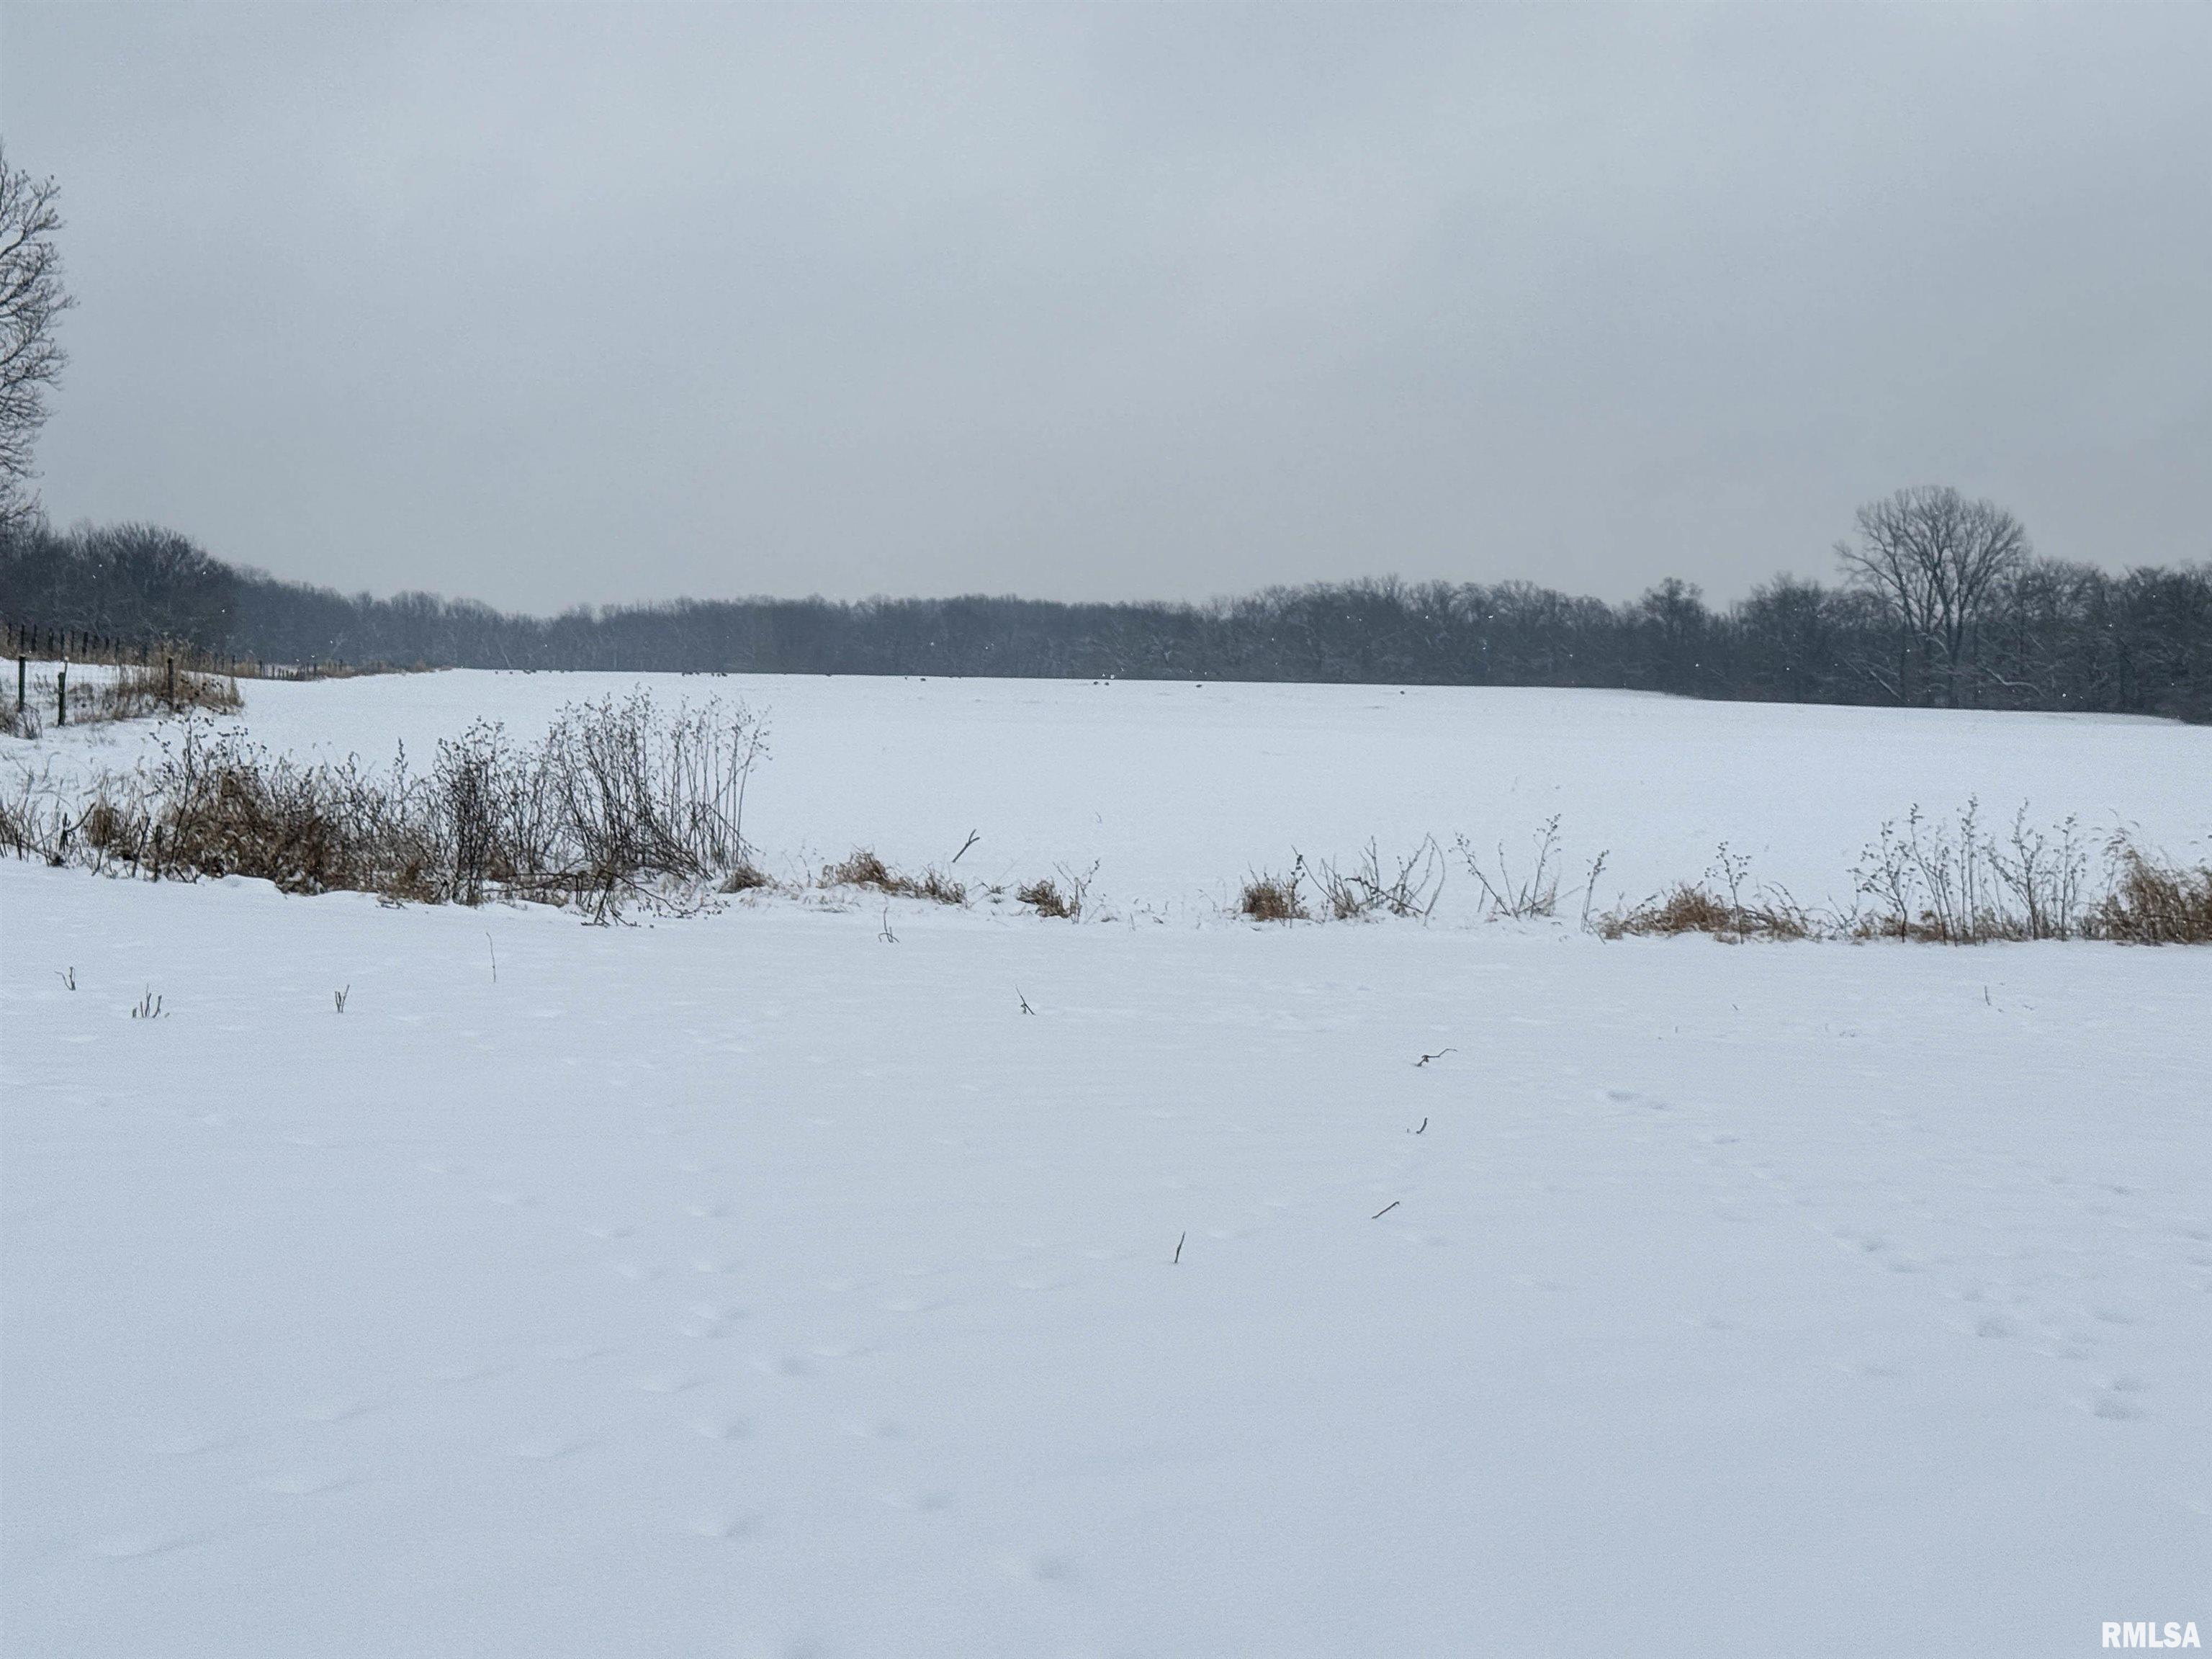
(1942,603)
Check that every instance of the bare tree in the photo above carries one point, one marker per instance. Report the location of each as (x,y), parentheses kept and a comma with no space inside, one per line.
(31,299)
(1937,560)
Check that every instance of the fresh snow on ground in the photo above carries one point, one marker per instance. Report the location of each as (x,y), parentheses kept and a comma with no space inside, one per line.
(755,1283)
(1177,791)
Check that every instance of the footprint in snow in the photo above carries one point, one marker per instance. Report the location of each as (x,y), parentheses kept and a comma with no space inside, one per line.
(730,1525)
(307,1483)
(547,1448)
(571,1353)
(712,1319)
(467,1370)
(920,1502)
(1043,1569)
(336,1411)
(666,1381)
(133,1545)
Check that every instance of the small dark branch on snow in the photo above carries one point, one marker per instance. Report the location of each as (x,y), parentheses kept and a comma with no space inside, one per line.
(67,977)
(1176,1261)
(494,949)
(974,836)
(884,933)
(339,996)
(1439,1054)
(1385,1210)
(1024,1000)
(1423,1130)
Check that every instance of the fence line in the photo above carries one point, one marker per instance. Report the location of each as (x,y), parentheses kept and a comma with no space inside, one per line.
(34,642)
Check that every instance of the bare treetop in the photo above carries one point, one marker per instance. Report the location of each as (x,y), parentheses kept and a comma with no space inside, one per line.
(32,299)
(1935,559)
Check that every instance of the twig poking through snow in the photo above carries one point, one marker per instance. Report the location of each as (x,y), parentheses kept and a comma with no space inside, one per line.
(1386,1209)
(1423,1130)
(1024,1000)
(494,949)
(1176,1261)
(974,836)
(339,996)
(1439,1054)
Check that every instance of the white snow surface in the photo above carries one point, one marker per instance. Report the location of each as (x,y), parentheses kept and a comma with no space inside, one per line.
(753,1283)
(1177,791)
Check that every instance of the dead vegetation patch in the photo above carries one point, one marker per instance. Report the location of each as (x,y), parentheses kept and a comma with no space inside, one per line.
(1693,907)
(128,693)
(1408,886)
(1269,897)
(2152,902)
(620,802)
(862,868)
(1043,895)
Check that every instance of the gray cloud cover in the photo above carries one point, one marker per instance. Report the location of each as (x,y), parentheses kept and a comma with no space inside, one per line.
(548,305)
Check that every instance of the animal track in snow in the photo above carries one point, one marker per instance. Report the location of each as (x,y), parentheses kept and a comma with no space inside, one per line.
(337,1411)
(920,1502)
(546,1449)
(133,1545)
(307,1482)
(722,1428)
(724,1526)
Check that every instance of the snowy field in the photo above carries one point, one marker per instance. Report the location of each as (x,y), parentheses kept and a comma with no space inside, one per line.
(752,1284)
(1177,791)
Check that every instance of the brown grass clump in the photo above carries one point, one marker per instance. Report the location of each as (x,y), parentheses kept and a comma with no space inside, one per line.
(1693,907)
(1044,896)
(940,888)
(2153,903)
(862,868)
(746,878)
(1273,898)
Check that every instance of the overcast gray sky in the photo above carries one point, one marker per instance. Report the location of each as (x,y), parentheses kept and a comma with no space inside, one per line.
(591,304)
